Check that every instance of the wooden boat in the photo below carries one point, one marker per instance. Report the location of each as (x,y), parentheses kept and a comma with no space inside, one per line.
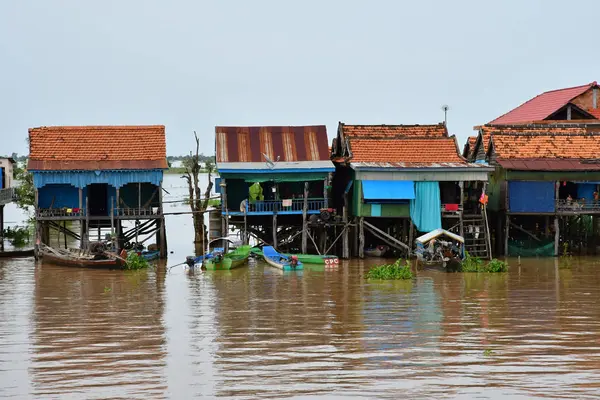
(305,258)
(433,249)
(378,251)
(316,259)
(150,255)
(281,261)
(79,258)
(233,259)
(16,253)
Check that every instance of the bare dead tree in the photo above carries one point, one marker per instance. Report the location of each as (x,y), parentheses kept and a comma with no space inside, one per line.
(197,205)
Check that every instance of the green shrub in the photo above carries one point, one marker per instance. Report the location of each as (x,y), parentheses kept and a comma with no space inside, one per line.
(476,264)
(391,271)
(135,261)
(497,266)
(18,237)
(471,264)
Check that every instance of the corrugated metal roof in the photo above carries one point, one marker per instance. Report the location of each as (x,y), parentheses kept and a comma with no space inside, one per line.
(286,143)
(548,165)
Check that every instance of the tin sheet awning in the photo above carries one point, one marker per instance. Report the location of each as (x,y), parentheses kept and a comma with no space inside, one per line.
(388,190)
(550,164)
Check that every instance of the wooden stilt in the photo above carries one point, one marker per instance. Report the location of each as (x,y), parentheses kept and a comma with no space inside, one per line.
(556,235)
(304,220)
(163,239)
(361,237)
(461,185)
(345,249)
(411,233)
(507,231)
(275,228)
(355,231)
(87,223)
(65,233)
(112,216)
(224,215)
(2,228)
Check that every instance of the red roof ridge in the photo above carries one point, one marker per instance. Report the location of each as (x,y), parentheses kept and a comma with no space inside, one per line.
(523,106)
(77,127)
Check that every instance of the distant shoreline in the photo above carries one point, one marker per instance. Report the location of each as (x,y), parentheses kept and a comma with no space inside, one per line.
(181,170)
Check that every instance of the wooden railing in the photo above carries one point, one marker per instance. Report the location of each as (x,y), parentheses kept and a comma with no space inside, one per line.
(577,205)
(6,195)
(80,213)
(296,205)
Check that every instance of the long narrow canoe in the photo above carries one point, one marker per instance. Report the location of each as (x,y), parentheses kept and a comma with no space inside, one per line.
(76,258)
(281,261)
(306,258)
(233,259)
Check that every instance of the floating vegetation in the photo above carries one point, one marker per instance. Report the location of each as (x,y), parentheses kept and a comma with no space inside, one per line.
(476,264)
(18,236)
(393,271)
(107,289)
(135,261)
(488,353)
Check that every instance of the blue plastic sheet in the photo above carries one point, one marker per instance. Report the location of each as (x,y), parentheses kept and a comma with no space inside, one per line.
(531,196)
(388,190)
(425,209)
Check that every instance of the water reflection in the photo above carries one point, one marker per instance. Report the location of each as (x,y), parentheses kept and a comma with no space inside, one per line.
(98,331)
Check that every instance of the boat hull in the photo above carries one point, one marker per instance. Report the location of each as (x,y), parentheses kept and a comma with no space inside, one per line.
(108,264)
(283,266)
(17,253)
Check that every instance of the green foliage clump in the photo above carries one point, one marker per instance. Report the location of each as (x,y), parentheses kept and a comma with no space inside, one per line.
(391,271)
(18,236)
(135,261)
(497,266)
(472,264)
(476,264)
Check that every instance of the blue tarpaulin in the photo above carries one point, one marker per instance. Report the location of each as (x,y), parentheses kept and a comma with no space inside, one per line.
(425,209)
(531,196)
(80,179)
(390,191)
(586,191)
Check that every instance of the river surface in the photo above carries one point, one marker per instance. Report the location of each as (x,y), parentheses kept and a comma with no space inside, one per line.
(256,332)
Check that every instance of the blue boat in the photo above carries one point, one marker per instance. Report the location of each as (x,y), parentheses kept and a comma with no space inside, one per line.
(281,261)
(150,255)
(209,255)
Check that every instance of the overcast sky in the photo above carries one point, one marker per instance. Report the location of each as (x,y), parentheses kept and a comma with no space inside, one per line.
(191,65)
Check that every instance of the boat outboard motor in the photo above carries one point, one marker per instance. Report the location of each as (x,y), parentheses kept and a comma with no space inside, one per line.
(190,261)
(294,261)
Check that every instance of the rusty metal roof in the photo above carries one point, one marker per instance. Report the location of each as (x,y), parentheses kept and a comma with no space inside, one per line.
(286,143)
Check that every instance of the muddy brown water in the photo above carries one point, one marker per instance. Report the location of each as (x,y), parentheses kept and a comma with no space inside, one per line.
(257,332)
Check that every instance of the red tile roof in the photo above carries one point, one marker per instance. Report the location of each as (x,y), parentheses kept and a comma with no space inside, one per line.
(437,130)
(97,147)
(579,145)
(543,105)
(289,143)
(417,151)
(471,141)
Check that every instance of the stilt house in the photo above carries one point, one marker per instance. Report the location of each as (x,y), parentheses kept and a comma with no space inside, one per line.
(272,179)
(579,104)
(104,178)
(399,180)
(544,191)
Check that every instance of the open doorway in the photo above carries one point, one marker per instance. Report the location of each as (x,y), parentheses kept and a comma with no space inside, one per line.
(97,194)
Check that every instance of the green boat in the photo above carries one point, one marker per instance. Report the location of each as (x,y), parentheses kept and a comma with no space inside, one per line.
(233,259)
(307,258)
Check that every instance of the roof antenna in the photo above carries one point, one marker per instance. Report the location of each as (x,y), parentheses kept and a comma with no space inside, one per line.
(445,108)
